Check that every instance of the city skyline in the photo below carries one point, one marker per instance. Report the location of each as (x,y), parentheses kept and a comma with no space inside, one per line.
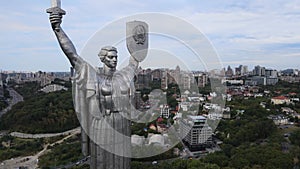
(225,68)
(248,33)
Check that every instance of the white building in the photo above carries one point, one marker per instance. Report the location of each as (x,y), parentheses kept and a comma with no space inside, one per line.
(184,106)
(196,134)
(279,119)
(157,139)
(137,140)
(215,115)
(280,100)
(53,88)
(233,81)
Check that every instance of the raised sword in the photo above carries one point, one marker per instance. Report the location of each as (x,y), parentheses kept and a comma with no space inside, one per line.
(56,9)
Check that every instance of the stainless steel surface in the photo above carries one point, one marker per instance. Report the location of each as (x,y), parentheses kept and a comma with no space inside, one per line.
(55,3)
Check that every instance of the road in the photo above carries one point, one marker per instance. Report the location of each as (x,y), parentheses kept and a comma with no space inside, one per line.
(16,98)
(24,135)
(32,161)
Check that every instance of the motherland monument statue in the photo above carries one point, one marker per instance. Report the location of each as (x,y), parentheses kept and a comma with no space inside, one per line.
(103,98)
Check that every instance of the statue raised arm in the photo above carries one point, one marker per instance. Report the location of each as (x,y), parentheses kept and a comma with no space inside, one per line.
(64,41)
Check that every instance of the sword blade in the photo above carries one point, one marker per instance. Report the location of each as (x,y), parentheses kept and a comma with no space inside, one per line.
(55,3)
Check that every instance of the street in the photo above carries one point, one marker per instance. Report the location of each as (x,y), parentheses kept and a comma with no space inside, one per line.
(16,98)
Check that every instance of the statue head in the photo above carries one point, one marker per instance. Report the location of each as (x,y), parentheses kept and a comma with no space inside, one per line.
(108,56)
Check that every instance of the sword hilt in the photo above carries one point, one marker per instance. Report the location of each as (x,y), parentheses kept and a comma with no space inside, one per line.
(56,11)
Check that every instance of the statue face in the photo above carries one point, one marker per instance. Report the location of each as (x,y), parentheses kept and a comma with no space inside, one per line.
(111,59)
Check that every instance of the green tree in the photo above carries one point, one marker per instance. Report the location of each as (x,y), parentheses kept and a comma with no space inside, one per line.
(218,158)
(295,138)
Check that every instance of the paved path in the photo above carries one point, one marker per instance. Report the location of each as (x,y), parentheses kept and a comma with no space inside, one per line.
(24,135)
(32,161)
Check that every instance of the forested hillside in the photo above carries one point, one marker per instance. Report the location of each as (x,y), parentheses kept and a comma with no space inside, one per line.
(41,112)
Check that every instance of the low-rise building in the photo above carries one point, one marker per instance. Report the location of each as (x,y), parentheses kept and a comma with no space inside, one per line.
(261,80)
(226,115)
(137,140)
(152,127)
(161,128)
(156,139)
(290,79)
(233,81)
(53,88)
(279,119)
(296,115)
(215,115)
(280,100)
(287,110)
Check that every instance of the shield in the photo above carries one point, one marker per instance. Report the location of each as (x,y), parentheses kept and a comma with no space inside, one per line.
(137,39)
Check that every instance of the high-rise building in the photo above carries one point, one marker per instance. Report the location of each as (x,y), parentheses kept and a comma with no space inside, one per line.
(288,72)
(263,71)
(196,133)
(143,79)
(156,74)
(271,73)
(201,78)
(259,71)
(186,80)
(271,80)
(164,80)
(238,70)
(256,80)
(177,74)
(229,72)
(244,70)
(138,100)
(262,76)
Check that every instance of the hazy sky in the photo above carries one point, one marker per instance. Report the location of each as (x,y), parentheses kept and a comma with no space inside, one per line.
(248,32)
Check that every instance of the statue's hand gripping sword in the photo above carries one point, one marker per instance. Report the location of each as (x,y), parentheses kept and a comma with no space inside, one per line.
(56,9)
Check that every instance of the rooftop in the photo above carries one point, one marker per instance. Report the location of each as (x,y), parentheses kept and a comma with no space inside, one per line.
(197,118)
(280,98)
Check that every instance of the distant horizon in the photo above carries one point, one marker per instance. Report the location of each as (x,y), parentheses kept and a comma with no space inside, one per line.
(152,68)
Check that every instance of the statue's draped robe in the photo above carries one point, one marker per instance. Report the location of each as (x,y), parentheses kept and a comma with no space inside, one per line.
(105,133)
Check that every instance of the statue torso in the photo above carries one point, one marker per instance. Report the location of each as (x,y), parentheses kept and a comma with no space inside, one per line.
(107,90)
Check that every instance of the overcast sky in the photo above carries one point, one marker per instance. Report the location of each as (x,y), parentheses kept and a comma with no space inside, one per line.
(248,32)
